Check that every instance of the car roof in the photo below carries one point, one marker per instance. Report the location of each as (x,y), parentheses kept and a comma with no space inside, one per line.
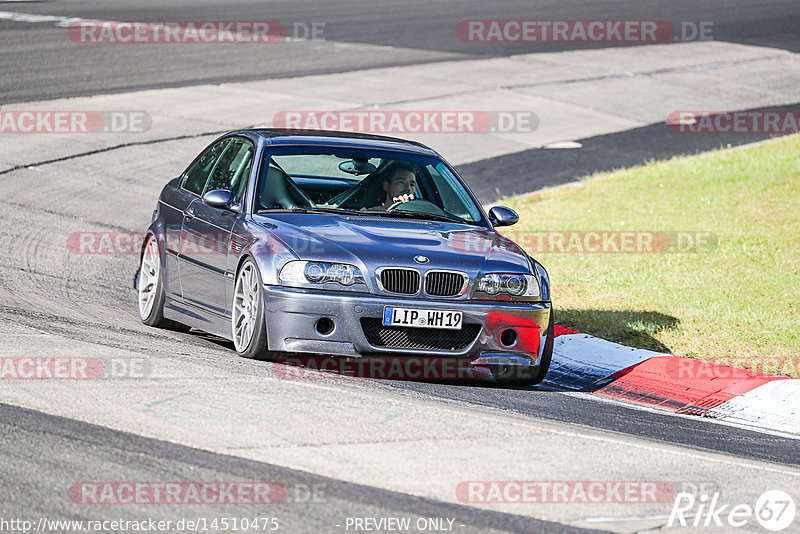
(278,136)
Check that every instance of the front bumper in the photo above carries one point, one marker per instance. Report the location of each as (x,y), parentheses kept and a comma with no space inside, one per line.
(292,317)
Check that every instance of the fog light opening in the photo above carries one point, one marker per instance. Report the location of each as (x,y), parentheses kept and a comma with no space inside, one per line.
(509,337)
(324,326)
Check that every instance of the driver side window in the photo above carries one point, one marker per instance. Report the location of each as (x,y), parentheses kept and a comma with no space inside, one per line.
(198,173)
(233,169)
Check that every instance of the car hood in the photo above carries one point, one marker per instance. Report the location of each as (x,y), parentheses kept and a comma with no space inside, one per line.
(372,242)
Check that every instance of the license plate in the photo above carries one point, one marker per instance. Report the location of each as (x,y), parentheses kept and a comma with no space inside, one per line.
(421,318)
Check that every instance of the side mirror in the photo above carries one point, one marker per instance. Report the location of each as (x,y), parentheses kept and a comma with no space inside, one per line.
(503,216)
(219,198)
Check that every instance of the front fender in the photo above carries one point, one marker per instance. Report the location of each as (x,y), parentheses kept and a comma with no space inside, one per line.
(265,247)
(544,278)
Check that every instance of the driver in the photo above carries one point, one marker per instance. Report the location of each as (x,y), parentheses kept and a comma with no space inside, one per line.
(399,185)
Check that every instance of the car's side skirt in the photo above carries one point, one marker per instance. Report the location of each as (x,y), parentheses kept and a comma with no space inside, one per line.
(196,317)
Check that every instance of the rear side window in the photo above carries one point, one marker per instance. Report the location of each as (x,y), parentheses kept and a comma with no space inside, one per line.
(198,173)
(233,169)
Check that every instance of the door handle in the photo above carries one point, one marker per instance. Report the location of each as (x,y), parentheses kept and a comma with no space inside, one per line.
(189,213)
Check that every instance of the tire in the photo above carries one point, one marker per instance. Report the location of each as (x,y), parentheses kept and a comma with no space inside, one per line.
(248,327)
(150,289)
(520,376)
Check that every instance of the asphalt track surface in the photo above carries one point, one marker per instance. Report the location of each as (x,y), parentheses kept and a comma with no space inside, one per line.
(90,300)
(38,61)
(68,447)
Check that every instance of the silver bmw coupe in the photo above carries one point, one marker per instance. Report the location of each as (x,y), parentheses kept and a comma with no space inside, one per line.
(348,245)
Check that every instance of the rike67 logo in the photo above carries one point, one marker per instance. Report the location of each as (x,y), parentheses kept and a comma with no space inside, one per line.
(774,510)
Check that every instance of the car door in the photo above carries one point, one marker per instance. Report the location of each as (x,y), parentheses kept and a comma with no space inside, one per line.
(206,231)
(174,205)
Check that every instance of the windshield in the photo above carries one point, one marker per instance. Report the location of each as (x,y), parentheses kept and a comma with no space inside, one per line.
(363,181)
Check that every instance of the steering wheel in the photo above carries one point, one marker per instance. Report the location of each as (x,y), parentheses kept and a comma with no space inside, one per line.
(418,204)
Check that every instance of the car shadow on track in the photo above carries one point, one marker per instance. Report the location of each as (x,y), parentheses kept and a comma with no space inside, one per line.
(520,173)
(632,328)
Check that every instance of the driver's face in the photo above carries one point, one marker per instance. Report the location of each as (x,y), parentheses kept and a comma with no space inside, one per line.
(402,183)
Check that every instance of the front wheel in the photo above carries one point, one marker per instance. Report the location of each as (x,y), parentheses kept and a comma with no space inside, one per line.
(248,326)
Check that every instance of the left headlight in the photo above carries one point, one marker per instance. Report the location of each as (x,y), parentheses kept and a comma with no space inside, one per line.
(494,285)
(318,272)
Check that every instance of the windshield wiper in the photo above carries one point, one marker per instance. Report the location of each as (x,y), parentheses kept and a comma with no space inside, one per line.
(421,215)
(371,213)
(309,210)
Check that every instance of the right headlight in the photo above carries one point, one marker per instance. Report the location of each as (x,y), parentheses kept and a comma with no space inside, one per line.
(318,272)
(502,286)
